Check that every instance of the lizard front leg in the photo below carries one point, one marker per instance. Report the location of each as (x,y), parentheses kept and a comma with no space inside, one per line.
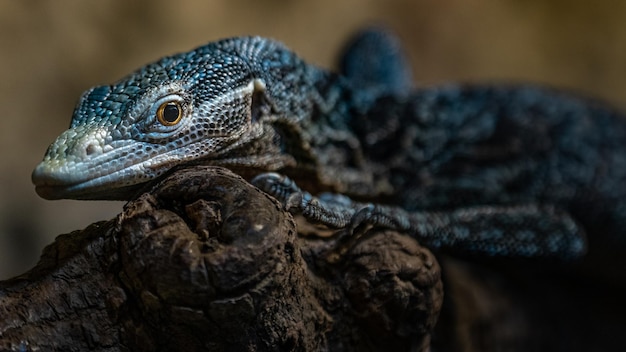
(530,230)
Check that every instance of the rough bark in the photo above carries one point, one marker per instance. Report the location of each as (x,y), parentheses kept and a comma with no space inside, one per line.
(205,261)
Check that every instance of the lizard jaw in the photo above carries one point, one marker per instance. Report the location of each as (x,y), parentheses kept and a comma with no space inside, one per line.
(52,185)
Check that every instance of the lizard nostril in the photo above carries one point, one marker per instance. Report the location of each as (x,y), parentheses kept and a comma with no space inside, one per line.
(91,149)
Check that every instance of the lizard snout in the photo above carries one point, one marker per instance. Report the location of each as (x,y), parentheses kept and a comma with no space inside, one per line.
(67,160)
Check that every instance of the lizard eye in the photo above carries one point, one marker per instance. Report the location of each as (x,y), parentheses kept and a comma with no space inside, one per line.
(169,113)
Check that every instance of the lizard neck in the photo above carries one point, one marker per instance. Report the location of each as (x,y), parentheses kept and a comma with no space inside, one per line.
(314,111)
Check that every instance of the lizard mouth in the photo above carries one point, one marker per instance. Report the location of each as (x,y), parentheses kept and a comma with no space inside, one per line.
(115,174)
(52,186)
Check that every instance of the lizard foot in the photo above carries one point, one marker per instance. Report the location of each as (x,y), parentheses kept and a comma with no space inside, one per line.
(333,211)
(492,230)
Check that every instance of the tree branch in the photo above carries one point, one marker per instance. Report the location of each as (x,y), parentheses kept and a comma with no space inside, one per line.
(206,261)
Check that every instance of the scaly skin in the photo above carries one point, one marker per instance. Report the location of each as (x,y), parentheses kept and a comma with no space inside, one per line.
(491,170)
(115,143)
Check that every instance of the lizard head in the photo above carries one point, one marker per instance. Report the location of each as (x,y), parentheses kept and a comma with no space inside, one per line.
(210,105)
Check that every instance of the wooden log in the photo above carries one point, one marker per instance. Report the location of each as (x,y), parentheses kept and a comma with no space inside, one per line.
(205,261)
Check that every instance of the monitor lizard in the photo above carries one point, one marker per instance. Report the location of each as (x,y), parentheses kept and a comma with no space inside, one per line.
(495,170)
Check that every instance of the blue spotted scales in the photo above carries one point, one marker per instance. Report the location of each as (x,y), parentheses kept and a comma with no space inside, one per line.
(482,169)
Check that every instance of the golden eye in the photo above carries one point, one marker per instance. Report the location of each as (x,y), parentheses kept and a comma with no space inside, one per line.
(170,113)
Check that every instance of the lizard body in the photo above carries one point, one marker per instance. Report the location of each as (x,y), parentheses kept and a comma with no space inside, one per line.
(498,170)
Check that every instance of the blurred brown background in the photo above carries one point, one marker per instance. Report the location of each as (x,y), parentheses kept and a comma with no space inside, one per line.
(51,51)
